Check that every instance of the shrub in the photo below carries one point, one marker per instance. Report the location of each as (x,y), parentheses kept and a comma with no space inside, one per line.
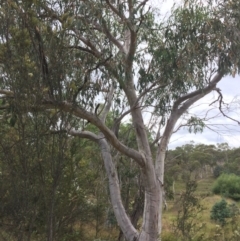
(228,185)
(220,212)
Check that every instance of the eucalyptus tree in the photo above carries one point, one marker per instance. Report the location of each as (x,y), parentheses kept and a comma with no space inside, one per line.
(79,60)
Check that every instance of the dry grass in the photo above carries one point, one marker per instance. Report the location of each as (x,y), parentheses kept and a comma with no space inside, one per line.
(204,192)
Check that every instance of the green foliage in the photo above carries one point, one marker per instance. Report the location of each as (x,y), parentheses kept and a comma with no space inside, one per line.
(169,237)
(220,212)
(195,125)
(218,170)
(228,185)
(186,226)
(49,184)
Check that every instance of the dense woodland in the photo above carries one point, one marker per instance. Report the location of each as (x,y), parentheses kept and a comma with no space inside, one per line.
(91,92)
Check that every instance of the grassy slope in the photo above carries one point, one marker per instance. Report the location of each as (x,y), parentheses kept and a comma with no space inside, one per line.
(204,192)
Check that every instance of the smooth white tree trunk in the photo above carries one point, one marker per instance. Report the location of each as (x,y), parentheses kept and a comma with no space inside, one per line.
(123,220)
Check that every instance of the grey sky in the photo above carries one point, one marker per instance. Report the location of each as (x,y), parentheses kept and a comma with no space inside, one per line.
(223,129)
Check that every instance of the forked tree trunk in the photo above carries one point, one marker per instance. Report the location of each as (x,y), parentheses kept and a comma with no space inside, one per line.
(149,230)
(152,176)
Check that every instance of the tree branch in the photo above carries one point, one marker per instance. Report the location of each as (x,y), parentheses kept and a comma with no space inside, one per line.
(207,89)
(141,4)
(115,10)
(103,29)
(4,107)
(84,134)
(131,10)
(108,104)
(220,99)
(111,37)
(189,99)
(118,120)
(196,95)
(92,118)
(82,49)
(7,93)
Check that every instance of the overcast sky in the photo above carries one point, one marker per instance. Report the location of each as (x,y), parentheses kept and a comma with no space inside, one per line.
(220,129)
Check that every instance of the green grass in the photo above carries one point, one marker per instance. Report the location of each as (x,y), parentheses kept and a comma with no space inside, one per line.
(208,199)
(205,186)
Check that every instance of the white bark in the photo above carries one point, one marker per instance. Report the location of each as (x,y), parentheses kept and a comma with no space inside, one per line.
(179,107)
(159,165)
(123,220)
(149,231)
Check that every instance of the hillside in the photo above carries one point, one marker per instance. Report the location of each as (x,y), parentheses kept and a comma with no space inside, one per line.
(207,200)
